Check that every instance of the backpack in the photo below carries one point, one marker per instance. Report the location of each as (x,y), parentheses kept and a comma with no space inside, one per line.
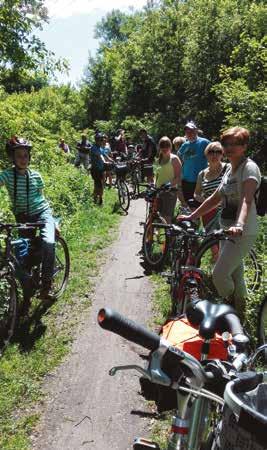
(261,198)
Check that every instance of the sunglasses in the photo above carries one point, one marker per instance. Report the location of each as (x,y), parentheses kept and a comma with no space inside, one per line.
(232,144)
(215,152)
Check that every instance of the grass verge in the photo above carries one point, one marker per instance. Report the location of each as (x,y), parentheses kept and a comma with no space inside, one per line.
(41,346)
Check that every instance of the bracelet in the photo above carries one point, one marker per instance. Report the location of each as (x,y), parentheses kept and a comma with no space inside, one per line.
(239,225)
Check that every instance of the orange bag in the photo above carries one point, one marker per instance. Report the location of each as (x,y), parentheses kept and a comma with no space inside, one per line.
(184,336)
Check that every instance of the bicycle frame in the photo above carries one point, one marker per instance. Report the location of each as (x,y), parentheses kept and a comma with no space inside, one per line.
(187,424)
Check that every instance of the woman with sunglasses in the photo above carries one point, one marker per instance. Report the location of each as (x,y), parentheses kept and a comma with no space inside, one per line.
(208,181)
(237,195)
(169,172)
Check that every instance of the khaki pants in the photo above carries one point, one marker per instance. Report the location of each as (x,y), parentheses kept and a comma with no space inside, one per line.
(228,272)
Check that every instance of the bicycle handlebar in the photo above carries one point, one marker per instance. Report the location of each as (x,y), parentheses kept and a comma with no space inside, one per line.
(132,331)
(28,225)
(173,228)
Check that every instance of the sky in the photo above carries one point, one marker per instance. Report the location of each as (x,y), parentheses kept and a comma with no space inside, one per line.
(70,31)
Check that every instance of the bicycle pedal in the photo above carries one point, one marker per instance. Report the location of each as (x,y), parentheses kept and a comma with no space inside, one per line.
(144,444)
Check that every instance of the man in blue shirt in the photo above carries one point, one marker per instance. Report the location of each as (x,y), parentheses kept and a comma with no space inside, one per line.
(193,159)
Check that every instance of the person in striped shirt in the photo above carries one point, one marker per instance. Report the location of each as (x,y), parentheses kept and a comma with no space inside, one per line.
(208,181)
(25,190)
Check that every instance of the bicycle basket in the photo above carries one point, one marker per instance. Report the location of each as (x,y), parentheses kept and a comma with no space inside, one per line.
(121,170)
(244,421)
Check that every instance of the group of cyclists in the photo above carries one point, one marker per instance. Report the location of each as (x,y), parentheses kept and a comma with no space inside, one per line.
(224,191)
(220,178)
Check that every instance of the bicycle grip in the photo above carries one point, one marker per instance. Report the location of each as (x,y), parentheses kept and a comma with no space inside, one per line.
(237,331)
(233,324)
(113,321)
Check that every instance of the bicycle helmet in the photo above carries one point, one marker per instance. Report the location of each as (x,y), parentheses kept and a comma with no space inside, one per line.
(99,136)
(16,142)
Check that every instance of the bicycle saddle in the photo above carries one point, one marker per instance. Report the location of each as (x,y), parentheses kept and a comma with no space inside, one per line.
(213,318)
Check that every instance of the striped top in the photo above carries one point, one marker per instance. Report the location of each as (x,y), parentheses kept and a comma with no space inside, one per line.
(210,186)
(36,201)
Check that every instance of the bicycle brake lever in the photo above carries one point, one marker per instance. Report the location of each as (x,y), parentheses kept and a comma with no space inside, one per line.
(139,369)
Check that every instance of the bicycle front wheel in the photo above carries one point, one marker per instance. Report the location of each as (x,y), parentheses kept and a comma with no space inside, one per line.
(155,243)
(124,196)
(8,307)
(61,267)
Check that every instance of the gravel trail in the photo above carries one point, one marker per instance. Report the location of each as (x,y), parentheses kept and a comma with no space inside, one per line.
(86,408)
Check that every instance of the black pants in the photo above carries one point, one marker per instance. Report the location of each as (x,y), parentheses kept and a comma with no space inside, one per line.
(188,189)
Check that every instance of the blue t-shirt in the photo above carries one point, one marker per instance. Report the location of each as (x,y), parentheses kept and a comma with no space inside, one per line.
(193,158)
(96,160)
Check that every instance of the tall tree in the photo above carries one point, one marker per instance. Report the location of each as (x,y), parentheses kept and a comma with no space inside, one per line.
(20,50)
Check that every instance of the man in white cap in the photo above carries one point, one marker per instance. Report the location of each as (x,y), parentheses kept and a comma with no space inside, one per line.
(193,159)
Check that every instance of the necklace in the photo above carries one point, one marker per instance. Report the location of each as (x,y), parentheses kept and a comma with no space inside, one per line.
(216,171)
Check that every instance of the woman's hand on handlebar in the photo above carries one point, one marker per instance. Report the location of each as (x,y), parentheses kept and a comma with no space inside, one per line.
(236,230)
(184,217)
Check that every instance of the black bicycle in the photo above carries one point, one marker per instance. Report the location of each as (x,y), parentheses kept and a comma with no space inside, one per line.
(121,170)
(20,270)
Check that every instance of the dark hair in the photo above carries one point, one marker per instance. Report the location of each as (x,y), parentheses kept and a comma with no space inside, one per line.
(142,130)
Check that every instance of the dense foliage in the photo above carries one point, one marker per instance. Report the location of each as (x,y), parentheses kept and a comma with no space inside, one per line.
(202,59)
(43,117)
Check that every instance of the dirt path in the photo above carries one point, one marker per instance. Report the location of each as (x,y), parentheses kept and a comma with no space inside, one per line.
(88,409)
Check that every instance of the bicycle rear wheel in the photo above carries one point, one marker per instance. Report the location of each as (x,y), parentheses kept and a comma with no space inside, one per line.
(61,267)
(262,323)
(124,195)
(8,307)
(155,243)
(206,259)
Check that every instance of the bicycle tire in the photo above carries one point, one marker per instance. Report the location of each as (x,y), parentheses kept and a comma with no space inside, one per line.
(62,267)
(262,323)
(8,306)
(155,250)
(205,259)
(133,183)
(124,195)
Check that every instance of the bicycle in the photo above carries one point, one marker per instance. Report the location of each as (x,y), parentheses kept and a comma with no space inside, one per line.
(186,272)
(134,177)
(155,239)
(120,171)
(20,266)
(198,384)
(200,250)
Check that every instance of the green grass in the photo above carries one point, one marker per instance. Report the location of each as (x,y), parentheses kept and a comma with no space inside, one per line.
(27,361)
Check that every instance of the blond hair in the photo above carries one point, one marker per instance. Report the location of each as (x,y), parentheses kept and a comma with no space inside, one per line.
(216,145)
(179,140)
